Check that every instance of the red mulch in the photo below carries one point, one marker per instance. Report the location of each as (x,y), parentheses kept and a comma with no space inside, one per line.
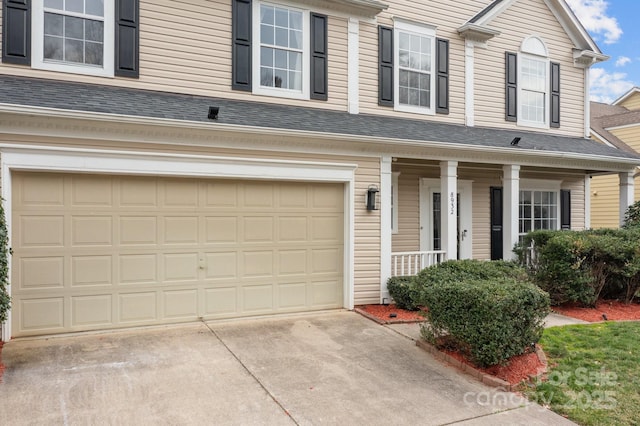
(385,312)
(515,371)
(613,309)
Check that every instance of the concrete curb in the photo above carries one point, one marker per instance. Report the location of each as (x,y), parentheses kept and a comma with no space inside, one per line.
(485,378)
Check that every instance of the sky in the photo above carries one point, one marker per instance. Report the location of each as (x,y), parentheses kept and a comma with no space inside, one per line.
(615,27)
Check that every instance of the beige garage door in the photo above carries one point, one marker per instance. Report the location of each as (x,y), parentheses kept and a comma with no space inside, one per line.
(98,252)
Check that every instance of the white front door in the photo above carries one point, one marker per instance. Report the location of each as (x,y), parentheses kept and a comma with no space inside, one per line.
(430,227)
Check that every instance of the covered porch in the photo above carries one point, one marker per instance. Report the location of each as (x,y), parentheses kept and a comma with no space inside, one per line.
(436,210)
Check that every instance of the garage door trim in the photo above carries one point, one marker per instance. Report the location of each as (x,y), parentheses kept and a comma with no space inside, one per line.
(144,163)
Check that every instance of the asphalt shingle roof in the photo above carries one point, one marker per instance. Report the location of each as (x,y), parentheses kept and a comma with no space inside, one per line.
(62,95)
(605,116)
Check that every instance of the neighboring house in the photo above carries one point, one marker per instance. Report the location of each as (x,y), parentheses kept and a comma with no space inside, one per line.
(174,161)
(616,125)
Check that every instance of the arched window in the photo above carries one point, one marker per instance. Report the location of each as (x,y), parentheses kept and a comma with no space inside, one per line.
(533,73)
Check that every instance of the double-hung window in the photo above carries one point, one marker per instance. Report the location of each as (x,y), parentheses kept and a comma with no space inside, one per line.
(539,209)
(415,59)
(534,84)
(281,54)
(74,36)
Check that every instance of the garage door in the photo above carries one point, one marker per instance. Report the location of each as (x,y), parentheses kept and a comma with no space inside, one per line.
(98,252)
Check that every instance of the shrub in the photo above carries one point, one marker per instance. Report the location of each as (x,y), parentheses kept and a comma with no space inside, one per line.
(403,292)
(461,270)
(489,319)
(632,216)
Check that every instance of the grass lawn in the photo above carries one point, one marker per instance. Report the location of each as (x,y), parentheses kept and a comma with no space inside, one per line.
(594,373)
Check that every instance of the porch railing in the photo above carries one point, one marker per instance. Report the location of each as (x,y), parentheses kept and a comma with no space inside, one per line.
(412,262)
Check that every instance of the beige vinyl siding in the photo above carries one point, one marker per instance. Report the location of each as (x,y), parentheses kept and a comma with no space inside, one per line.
(447,16)
(185,47)
(521,20)
(605,201)
(629,134)
(632,102)
(367,224)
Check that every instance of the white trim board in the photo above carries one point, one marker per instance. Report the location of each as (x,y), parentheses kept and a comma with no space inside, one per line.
(143,163)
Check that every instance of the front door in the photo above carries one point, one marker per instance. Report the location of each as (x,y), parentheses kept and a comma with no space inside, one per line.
(431,232)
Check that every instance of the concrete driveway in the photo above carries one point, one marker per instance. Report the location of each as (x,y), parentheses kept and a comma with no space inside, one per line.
(329,368)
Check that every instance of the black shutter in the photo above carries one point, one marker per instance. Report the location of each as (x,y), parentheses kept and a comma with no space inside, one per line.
(241,49)
(127,38)
(319,57)
(555,95)
(496,223)
(565,210)
(16,32)
(385,69)
(511,80)
(442,82)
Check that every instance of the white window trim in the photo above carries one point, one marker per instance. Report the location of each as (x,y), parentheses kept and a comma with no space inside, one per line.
(255,54)
(394,204)
(540,55)
(425,31)
(37,44)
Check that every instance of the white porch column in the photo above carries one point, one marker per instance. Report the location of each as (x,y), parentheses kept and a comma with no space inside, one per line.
(587,202)
(353,67)
(626,193)
(511,199)
(448,207)
(385,226)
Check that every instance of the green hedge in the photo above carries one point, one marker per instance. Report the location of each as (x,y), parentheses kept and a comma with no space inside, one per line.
(489,319)
(5,300)
(583,266)
(403,292)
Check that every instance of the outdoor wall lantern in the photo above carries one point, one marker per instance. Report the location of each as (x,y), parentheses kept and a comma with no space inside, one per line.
(371,197)
(515,141)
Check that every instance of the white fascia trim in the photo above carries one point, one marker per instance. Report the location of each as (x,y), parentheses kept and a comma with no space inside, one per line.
(626,95)
(571,25)
(603,139)
(493,13)
(235,128)
(40,158)
(625,126)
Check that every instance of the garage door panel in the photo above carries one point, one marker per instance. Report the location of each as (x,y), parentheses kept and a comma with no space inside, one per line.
(96,252)
(258,229)
(138,230)
(138,307)
(91,310)
(91,230)
(138,268)
(180,267)
(41,314)
(221,265)
(222,229)
(41,231)
(180,230)
(181,304)
(41,273)
(91,191)
(91,270)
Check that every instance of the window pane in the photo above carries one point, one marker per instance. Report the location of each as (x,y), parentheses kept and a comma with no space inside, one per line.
(425,63)
(414,79)
(54,4)
(53,24)
(73,51)
(295,80)
(281,78)
(415,43)
(266,34)
(282,37)
(74,27)
(403,57)
(266,77)
(404,78)
(74,6)
(53,48)
(295,39)
(295,61)
(282,18)
(266,15)
(414,60)
(93,53)
(95,7)
(295,20)
(414,97)
(94,30)
(404,41)
(266,56)
(403,94)
(425,82)
(280,58)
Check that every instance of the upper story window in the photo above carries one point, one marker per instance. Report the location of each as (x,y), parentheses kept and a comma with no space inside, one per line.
(532,96)
(534,83)
(74,36)
(281,51)
(414,52)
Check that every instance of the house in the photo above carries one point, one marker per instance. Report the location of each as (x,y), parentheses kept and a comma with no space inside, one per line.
(616,125)
(173,161)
